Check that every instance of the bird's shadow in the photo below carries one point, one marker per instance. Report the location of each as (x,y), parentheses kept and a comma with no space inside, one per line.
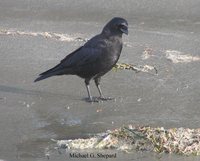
(18,90)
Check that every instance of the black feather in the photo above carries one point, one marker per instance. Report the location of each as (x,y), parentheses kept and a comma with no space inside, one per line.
(96,57)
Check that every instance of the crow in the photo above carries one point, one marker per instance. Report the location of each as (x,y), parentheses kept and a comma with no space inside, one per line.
(95,58)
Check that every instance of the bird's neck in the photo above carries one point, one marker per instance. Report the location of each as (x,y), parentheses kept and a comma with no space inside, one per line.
(108,34)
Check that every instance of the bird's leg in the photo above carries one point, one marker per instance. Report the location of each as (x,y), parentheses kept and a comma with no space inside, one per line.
(90,98)
(97,82)
(87,82)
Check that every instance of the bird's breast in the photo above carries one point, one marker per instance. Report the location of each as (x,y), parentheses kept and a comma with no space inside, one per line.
(110,55)
(114,50)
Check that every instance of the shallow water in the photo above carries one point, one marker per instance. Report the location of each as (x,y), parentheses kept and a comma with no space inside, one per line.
(34,113)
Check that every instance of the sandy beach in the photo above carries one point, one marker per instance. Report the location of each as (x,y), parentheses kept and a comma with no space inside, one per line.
(36,34)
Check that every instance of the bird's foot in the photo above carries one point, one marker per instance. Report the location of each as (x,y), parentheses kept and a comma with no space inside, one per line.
(98,99)
(92,99)
(105,98)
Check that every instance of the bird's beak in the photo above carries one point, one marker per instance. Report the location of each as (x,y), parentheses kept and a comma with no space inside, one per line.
(124,28)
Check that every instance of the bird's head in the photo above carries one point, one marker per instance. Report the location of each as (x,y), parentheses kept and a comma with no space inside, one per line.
(116,26)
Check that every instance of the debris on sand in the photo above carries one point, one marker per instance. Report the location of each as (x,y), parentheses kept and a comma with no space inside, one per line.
(179,57)
(146,68)
(160,140)
(147,53)
(48,35)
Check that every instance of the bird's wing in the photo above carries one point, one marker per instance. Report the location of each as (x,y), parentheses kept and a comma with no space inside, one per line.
(90,52)
(57,67)
(81,57)
(70,55)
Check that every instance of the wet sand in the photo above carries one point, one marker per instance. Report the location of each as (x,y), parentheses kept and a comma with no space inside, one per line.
(31,114)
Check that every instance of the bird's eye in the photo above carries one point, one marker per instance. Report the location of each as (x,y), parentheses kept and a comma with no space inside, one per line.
(122,26)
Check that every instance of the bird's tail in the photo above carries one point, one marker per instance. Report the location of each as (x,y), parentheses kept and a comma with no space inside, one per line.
(49,73)
(41,77)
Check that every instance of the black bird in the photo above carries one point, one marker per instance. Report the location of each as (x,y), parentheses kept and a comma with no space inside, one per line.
(95,58)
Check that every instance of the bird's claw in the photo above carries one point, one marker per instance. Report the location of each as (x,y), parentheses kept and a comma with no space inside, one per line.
(105,98)
(91,100)
(98,99)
